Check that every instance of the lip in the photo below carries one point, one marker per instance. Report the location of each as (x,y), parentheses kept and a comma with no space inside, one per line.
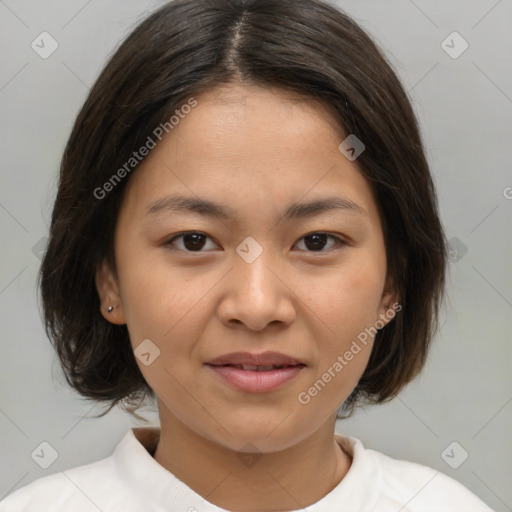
(264,359)
(256,381)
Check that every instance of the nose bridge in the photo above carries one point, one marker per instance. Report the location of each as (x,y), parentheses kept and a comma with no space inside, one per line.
(257,296)
(253,263)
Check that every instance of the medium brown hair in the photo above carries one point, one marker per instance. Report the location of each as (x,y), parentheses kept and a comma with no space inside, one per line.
(191,46)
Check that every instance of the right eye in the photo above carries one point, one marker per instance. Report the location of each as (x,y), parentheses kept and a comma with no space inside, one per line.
(189,241)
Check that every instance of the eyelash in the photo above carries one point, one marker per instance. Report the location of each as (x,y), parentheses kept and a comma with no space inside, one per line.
(339,241)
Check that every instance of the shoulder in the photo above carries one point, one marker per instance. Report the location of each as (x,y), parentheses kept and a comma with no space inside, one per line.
(47,492)
(84,488)
(419,488)
(117,482)
(406,486)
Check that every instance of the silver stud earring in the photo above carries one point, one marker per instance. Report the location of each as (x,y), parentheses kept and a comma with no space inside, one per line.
(110,309)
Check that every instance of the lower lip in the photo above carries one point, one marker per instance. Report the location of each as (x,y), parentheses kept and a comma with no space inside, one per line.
(256,381)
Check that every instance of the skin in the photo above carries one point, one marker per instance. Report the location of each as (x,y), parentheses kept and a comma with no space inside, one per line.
(255,150)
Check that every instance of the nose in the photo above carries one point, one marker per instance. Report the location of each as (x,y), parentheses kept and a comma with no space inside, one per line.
(257,295)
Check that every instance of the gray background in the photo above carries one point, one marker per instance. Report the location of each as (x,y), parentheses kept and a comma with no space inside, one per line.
(465,109)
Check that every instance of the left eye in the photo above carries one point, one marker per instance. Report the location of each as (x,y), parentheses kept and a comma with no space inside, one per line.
(318,240)
(194,241)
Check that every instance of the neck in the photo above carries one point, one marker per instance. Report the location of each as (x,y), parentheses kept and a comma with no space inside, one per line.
(289,479)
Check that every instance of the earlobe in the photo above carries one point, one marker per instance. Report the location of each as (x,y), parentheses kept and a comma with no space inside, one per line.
(388,305)
(111,306)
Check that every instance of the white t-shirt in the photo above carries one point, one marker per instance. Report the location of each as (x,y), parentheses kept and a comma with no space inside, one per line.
(130,480)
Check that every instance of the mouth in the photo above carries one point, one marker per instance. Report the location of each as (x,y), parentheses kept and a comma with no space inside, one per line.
(263,379)
(256,373)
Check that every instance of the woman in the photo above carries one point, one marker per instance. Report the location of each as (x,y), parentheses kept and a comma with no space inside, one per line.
(246,229)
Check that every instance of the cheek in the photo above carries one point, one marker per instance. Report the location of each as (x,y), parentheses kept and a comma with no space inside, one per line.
(347,305)
(348,299)
(346,308)
(157,298)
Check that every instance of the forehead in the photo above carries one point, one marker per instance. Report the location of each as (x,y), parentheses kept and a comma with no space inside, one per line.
(261,116)
(255,99)
(248,146)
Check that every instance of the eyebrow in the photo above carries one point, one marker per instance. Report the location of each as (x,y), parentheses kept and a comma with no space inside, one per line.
(178,203)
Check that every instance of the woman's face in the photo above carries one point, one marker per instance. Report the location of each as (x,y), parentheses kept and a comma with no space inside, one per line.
(257,274)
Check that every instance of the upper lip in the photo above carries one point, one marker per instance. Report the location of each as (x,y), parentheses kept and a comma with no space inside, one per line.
(264,359)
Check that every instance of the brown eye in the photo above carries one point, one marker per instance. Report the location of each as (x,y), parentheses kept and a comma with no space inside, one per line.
(192,241)
(316,242)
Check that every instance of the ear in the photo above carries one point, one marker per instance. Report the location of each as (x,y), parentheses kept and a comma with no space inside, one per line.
(108,291)
(389,303)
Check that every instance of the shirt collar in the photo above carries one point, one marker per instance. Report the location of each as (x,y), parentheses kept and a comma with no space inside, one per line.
(135,465)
